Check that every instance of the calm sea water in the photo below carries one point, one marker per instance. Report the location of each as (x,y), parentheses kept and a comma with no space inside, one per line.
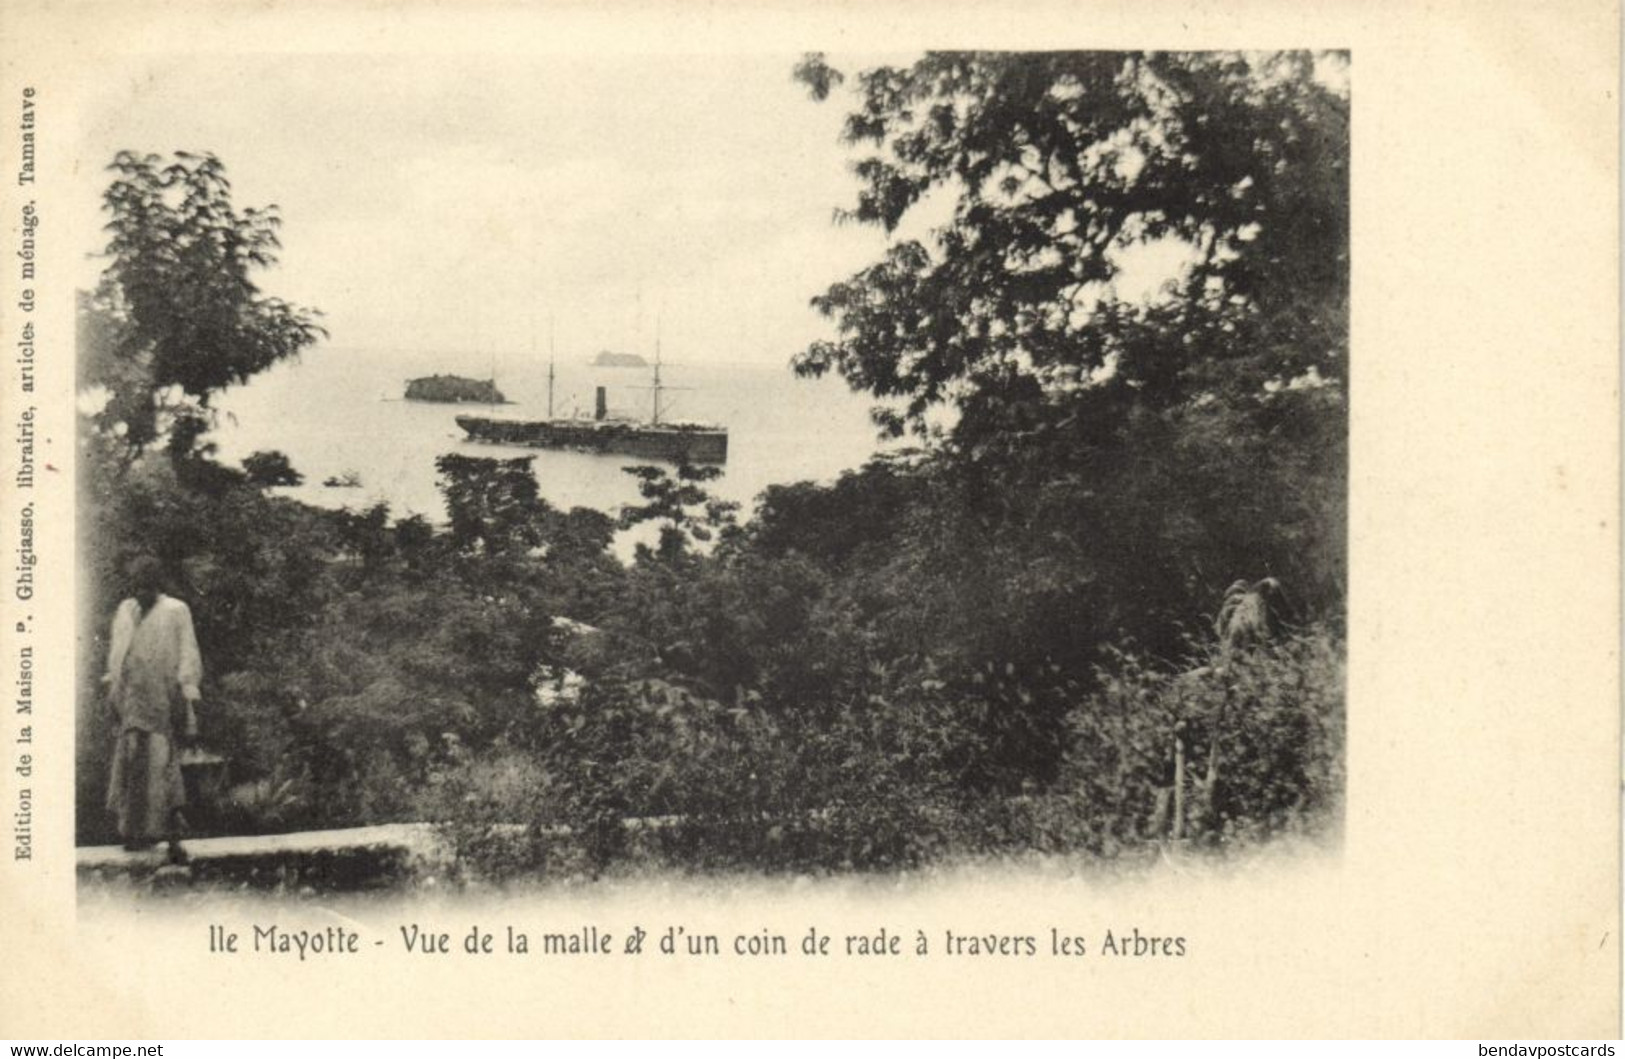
(338,411)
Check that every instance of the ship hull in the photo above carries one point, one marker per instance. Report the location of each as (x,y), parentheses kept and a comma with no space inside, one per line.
(674,444)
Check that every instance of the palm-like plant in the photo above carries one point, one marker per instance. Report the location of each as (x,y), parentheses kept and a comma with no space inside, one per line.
(1244,617)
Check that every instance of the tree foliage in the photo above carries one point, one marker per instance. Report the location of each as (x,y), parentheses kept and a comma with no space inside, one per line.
(1146,451)
(1057,165)
(493,505)
(178,311)
(986,642)
(686,512)
(270,469)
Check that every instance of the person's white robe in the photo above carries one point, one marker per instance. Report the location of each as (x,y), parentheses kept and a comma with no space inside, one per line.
(153,666)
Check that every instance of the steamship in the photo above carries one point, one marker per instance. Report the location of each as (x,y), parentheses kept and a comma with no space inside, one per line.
(657,438)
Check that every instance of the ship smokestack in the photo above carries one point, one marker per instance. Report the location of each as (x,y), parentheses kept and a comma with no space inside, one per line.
(600,405)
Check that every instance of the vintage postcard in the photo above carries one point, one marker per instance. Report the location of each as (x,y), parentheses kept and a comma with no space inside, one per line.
(798,520)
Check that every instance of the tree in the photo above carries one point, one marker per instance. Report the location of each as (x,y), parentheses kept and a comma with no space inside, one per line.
(1100,461)
(493,505)
(270,469)
(1059,164)
(682,504)
(1150,449)
(177,316)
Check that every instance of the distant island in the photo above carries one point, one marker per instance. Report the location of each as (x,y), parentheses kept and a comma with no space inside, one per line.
(606,359)
(454,389)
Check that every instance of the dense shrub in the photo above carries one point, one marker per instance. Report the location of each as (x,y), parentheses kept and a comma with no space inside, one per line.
(857,705)
(957,649)
(270,469)
(1263,738)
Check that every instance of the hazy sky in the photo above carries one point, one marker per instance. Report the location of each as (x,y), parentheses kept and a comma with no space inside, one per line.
(438,203)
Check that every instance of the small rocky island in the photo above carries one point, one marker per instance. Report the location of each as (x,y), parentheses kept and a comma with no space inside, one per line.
(607,359)
(454,389)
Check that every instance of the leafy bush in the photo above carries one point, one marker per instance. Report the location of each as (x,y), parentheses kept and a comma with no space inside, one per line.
(270,469)
(761,707)
(498,811)
(641,769)
(1263,739)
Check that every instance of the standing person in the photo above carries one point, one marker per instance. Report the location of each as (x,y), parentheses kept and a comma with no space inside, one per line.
(153,672)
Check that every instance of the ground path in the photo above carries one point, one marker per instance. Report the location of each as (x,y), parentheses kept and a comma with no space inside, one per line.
(356,856)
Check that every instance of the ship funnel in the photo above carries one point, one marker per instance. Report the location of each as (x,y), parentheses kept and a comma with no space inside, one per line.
(600,405)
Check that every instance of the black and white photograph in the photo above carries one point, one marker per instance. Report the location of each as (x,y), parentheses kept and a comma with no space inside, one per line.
(790,521)
(779,464)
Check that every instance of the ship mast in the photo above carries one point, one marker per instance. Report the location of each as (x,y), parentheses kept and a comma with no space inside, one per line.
(550,367)
(659,388)
(655,420)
